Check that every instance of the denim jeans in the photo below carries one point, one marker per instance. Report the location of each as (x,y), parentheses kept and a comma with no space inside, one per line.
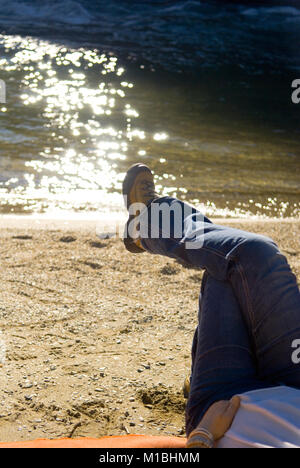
(249,312)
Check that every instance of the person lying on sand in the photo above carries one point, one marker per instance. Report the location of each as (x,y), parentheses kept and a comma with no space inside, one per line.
(249,317)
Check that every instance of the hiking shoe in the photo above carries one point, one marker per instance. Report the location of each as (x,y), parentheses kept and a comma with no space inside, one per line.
(138,187)
(186,388)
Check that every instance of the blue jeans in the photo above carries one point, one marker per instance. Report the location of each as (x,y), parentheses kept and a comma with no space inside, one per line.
(249,311)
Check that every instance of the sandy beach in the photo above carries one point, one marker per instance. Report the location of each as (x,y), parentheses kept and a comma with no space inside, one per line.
(97,340)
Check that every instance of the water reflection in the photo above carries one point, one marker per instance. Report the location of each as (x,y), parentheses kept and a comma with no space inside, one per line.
(79,99)
(74,122)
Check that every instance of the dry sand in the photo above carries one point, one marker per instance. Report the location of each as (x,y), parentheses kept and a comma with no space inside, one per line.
(97,340)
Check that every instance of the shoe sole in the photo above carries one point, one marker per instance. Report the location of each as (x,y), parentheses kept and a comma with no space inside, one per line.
(186,388)
(129,243)
(132,173)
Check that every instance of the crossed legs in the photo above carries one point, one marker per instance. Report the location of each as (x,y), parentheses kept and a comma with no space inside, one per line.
(249,308)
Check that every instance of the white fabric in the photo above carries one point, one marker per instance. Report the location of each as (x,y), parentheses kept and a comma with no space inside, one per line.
(268,418)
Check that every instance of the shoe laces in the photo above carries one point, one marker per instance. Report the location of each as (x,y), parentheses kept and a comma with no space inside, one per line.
(148,188)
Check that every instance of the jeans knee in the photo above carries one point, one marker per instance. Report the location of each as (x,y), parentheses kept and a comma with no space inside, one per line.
(258,250)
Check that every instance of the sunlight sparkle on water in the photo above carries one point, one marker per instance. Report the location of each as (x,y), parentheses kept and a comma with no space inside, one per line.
(73,123)
(92,120)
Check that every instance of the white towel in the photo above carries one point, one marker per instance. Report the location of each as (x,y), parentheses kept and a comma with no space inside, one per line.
(268,418)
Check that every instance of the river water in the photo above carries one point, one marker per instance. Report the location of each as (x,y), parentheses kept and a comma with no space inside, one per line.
(200,91)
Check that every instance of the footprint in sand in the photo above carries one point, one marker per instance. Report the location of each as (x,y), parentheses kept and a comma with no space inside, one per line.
(67,239)
(168,269)
(23,237)
(97,245)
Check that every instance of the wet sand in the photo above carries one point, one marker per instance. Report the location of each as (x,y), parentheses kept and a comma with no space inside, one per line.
(97,340)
